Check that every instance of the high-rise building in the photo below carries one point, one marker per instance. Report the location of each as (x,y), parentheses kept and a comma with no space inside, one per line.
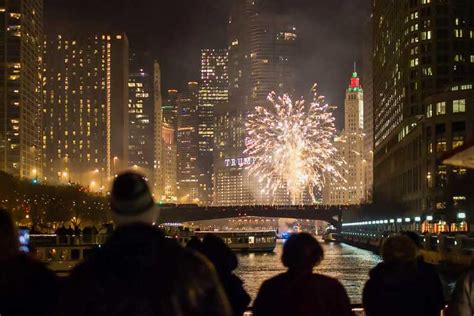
(367,79)
(20,89)
(169,146)
(169,159)
(351,147)
(141,112)
(170,109)
(261,50)
(187,145)
(423,78)
(262,47)
(213,94)
(85,91)
(158,178)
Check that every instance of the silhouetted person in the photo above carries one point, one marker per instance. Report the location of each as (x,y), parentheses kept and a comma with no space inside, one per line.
(398,286)
(225,261)
(429,269)
(299,291)
(27,287)
(139,272)
(462,300)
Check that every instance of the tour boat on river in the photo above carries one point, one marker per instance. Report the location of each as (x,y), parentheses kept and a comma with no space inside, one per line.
(245,240)
(62,253)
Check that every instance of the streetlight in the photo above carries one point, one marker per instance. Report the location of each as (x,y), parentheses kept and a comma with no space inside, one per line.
(461,215)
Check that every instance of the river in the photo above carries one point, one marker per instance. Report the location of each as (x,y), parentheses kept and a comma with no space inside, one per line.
(348,264)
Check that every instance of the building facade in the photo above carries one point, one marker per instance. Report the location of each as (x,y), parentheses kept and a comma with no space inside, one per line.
(261,46)
(169,158)
(85,90)
(422,51)
(141,113)
(367,79)
(188,145)
(351,147)
(21,27)
(213,94)
(169,146)
(158,178)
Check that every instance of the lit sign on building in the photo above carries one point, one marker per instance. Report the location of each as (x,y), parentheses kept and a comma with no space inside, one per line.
(239,162)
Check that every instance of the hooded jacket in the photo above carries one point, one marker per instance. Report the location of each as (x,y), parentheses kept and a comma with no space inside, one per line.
(140,272)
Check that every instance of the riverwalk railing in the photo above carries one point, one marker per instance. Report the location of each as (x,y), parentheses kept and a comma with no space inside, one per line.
(448,248)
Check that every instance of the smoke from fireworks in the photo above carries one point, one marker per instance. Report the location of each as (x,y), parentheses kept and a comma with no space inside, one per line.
(292,145)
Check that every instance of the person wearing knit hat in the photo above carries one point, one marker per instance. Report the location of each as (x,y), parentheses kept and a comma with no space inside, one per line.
(138,271)
(131,200)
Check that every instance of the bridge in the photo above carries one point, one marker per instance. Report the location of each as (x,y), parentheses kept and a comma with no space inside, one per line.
(331,214)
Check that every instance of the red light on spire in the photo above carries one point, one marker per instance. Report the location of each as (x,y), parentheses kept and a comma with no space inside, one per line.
(355,82)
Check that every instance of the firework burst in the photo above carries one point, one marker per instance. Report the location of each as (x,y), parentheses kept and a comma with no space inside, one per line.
(292,145)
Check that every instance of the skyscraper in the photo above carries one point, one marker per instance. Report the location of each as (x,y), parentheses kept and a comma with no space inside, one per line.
(261,50)
(141,112)
(262,46)
(367,79)
(158,178)
(85,91)
(423,76)
(169,146)
(187,146)
(20,90)
(213,94)
(169,159)
(351,147)
(170,109)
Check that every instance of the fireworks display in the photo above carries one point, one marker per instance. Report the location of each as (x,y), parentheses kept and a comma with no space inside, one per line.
(292,145)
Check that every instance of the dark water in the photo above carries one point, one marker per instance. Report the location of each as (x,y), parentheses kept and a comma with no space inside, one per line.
(347,264)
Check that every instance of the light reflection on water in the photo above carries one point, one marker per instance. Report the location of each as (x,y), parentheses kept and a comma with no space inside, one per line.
(348,264)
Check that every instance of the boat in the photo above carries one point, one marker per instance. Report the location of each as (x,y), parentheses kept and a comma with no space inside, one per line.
(330,235)
(245,240)
(62,253)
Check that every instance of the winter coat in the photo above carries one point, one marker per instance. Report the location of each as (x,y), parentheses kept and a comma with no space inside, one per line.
(462,301)
(27,287)
(404,289)
(302,294)
(140,272)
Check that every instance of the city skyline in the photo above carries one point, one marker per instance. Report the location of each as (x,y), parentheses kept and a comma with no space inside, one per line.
(94,106)
(336,31)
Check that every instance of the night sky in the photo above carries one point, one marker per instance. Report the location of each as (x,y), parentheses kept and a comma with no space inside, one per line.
(332,34)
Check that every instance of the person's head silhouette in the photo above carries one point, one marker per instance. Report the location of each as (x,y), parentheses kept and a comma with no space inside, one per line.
(399,249)
(302,252)
(131,200)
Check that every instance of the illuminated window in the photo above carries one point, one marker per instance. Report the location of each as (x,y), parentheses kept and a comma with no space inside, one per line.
(458,33)
(429,110)
(458,141)
(459,57)
(440,108)
(425,1)
(427,71)
(425,35)
(459,106)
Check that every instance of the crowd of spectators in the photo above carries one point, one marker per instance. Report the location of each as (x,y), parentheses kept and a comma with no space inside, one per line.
(141,272)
